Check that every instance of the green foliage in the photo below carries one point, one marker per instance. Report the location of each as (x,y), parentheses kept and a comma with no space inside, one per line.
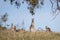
(32,11)
(4,0)
(31,4)
(4,17)
(11,1)
(17,4)
(35,3)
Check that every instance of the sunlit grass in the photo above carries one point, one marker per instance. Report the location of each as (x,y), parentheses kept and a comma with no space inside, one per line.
(8,35)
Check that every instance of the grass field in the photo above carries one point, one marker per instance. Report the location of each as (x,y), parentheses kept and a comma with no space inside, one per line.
(8,35)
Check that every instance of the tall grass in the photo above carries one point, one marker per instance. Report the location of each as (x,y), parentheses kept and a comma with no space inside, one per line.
(9,35)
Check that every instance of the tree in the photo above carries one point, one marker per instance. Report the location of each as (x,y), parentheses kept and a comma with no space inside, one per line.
(56,10)
(32,4)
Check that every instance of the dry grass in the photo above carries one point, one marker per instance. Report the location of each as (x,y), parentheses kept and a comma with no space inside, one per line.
(8,35)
